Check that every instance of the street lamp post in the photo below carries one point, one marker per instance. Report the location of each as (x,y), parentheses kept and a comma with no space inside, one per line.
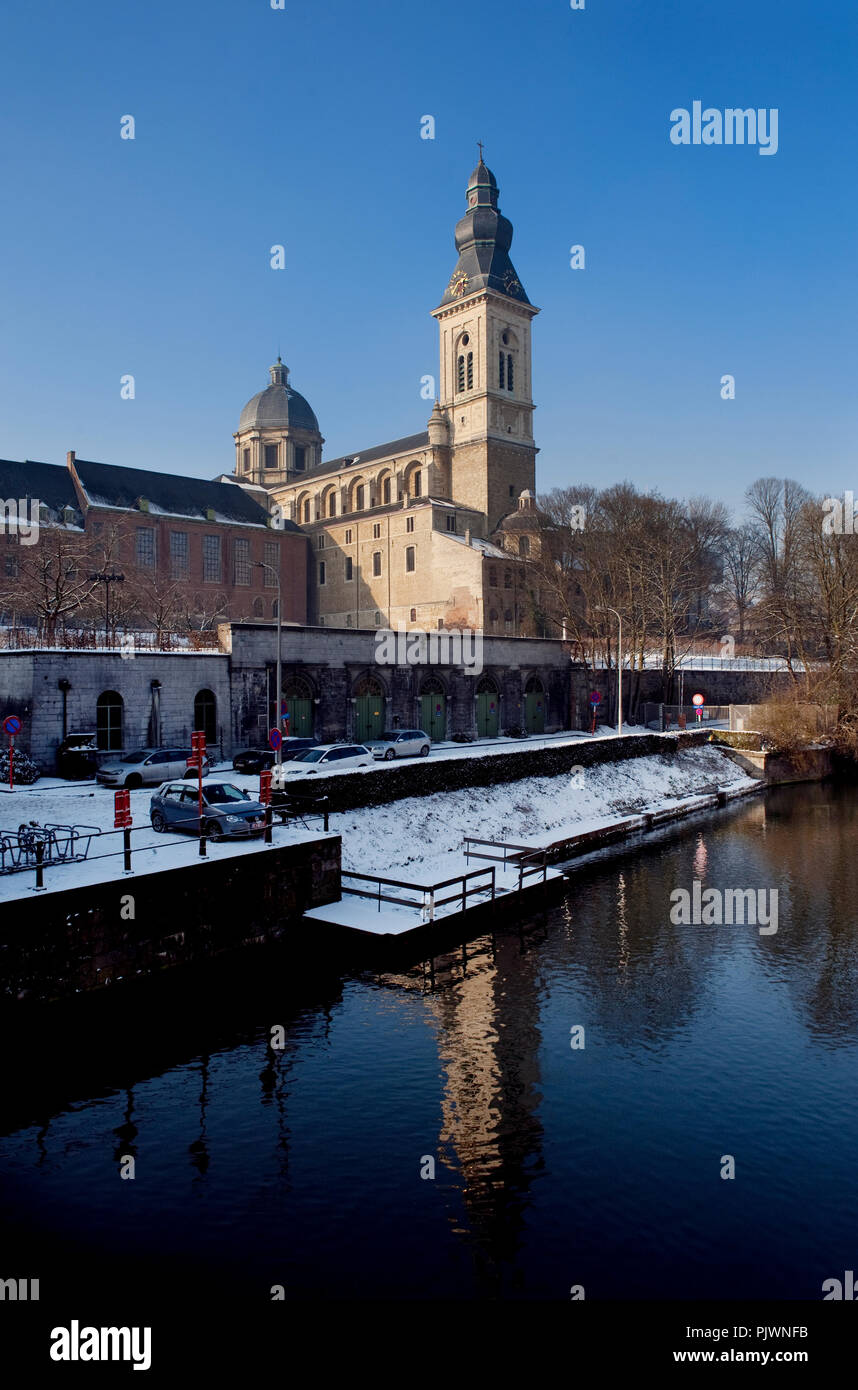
(605,608)
(260,564)
(105,578)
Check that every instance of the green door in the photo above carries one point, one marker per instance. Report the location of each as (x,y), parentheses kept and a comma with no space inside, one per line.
(433,716)
(534,712)
(300,715)
(369,717)
(487,714)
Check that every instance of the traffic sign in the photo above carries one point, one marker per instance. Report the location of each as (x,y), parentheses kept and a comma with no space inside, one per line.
(697,700)
(595,698)
(12,725)
(275,738)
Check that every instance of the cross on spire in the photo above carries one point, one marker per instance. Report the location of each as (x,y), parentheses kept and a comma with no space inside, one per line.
(480,143)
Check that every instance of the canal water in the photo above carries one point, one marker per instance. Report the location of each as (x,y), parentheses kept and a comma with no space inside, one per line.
(422,1136)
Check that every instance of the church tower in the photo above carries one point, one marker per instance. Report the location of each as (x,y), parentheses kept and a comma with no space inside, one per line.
(486,397)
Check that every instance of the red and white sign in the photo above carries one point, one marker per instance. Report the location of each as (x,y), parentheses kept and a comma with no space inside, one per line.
(697,700)
(121,810)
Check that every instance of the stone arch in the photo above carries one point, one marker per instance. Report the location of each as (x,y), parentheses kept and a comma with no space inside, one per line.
(109,718)
(369,705)
(205,715)
(415,479)
(303,508)
(385,488)
(535,704)
(487,696)
(358,494)
(328,504)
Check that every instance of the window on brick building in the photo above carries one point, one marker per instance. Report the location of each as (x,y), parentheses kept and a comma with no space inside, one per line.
(350,569)
(493,579)
(376,563)
(507,579)
(145,547)
(300,458)
(359,494)
(241,562)
(524,545)
(507,620)
(413,618)
(272,561)
(179,564)
(348,537)
(376,531)
(271,455)
(385,492)
(211,560)
(321,572)
(416,483)
(409,559)
(320,541)
(307,511)
(409,523)
(451,523)
(245,458)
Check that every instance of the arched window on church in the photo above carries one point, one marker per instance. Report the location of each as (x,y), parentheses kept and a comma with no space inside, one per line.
(416,482)
(307,510)
(385,491)
(460,372)
(509,378)
(501,364)
(524,545)
(470,371)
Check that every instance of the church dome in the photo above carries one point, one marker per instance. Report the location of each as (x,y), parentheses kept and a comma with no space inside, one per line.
(278,406)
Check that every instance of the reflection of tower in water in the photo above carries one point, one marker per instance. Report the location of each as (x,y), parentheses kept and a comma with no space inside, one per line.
(488,1046)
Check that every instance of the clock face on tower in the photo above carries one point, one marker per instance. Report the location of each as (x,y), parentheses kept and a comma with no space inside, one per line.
(459,283)
(510,283)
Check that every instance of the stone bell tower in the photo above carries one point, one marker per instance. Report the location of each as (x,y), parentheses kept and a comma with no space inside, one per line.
(485,394)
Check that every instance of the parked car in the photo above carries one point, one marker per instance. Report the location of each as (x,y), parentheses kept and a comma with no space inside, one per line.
(400,743)
(147,767)
(323,758)
(256,759)
(77,756)
(228,812)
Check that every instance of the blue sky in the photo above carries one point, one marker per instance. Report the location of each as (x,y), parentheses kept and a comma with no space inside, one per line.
(302,127)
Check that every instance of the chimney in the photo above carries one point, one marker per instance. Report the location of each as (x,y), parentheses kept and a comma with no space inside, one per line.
(467,535)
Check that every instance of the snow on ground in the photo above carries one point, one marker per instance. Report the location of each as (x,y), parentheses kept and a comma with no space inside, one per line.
(416,839)
(421,838)
(84,803)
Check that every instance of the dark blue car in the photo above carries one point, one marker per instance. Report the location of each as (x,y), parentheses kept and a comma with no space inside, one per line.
(228,812)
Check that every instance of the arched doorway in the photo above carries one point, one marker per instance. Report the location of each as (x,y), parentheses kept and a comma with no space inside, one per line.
(488,708)
(108,720)
(534,706)
(433,709)
(205,716)
(298,709)
(369,709)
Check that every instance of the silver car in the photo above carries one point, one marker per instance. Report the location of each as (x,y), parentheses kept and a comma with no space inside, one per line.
(400,743)
(228,812)
(146,767)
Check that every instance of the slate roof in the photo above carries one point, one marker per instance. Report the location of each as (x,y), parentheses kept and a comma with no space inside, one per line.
(107,485)
(483,239)
(49,482)
(411,444)
(279,407)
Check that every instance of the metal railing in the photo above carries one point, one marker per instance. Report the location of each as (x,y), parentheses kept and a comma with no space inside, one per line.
(33,844)
(48,850)
(528,860)
(429,901)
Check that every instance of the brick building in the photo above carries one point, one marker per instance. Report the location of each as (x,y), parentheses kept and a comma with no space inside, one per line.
(191,552)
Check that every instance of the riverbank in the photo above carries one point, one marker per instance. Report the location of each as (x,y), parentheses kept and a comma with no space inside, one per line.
(421,841)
